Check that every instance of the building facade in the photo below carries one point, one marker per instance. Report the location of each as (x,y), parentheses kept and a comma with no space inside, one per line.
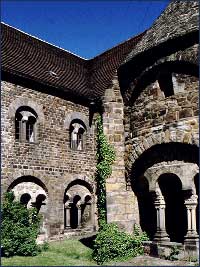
(147,91)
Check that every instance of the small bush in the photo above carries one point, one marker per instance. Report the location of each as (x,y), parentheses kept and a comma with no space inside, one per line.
(113,244)
(44,246)
(173,254)
(20,227)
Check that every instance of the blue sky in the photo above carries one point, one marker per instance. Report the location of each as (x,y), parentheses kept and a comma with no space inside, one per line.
(86,28)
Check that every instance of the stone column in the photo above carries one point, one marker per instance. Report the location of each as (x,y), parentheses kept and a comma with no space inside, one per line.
(191,204)
(78,205)
(161,234)
(23,128)
(67,215)
(93,213)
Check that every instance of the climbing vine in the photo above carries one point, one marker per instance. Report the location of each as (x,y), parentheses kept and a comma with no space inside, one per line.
(105,158)
(110,242)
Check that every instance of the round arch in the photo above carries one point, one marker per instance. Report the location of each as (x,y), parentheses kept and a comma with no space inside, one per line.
(142,157)
(22,101)
(81,179)
(23,179)
(79,206)
(162,159)
(80,182)
(76,116)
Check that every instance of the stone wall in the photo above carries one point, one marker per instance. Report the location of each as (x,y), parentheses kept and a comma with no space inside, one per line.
(120,201)
(156,119)
(50,159)
(161,128)
(152,108)
(159,86)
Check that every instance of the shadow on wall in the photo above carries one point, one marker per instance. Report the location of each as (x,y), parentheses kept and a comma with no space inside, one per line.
(146,207)
(175,211)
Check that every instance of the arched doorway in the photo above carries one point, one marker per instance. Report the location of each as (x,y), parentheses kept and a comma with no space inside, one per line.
(175,211)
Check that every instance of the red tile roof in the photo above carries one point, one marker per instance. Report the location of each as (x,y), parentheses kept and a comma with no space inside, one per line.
(28,57)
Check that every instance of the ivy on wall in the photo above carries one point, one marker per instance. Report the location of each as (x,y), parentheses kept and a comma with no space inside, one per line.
(110,242)
(105,158)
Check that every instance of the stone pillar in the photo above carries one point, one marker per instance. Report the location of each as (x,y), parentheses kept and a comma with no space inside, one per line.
(92,214)
(23,128)
(161,234)
(191,204)
(119,201)
(67,215)
(78,205)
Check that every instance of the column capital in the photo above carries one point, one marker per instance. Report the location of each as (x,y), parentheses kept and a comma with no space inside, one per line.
(158,198)
(191,202)
(67,205)
(78,205)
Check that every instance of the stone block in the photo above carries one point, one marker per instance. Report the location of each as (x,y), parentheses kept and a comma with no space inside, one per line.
(114,187)
(117,138)
(171,117)
(185,113)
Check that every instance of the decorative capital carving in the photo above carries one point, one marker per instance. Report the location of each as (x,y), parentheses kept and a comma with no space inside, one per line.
(159,200)
(192,201)
(67,205)
(78,205)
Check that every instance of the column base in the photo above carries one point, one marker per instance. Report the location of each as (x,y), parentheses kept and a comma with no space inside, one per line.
(192,238)
(161,236)
(67,228)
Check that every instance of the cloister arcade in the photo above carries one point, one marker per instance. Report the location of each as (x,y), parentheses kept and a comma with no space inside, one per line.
(167,192)
(78,206)
(31,192)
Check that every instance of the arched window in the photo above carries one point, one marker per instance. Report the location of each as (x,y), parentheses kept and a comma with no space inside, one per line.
(78,207)
(77,134)
(25,124)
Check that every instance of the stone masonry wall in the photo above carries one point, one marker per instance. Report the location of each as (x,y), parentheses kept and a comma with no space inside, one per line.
(154,118)
(152,108)
(120,201)
(50,159)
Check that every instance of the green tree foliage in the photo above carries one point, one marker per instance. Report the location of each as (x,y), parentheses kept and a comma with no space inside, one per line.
(20,227)
(113,244)
(105,157)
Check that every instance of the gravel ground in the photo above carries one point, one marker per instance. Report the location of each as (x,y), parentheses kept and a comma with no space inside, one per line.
(153,261)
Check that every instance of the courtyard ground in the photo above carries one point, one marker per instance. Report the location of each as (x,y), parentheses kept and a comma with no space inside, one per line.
(75,253)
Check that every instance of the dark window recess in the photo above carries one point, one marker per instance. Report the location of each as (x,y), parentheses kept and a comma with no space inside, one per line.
(165,83)
(77,135)
(25,124)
